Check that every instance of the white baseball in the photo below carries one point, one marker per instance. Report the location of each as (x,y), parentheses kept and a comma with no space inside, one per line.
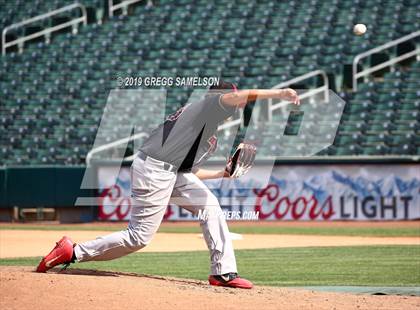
(359,29)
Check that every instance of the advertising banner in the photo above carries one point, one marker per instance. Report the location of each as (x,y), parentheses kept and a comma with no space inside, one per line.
(293,192)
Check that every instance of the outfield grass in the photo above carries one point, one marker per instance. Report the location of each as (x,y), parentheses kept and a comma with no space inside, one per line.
(312,266)
(249,229)
(319,231)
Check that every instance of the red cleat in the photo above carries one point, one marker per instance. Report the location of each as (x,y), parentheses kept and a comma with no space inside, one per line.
(230,280)
(61,254)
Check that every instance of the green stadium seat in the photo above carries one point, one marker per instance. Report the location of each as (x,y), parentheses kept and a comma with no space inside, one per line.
(259,45)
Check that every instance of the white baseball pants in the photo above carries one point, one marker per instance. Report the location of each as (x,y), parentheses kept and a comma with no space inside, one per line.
(153,187)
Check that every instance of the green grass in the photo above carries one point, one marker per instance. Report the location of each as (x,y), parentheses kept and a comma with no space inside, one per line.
(249,229)
(325,231)
(312,266)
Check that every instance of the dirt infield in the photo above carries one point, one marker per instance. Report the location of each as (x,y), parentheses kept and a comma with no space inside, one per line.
(21,288)
(83,289)
(23,243)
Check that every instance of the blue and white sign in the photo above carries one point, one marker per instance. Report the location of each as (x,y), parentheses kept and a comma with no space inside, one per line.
(305,192)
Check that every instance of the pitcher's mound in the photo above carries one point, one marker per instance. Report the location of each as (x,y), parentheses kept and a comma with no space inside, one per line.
(21,288)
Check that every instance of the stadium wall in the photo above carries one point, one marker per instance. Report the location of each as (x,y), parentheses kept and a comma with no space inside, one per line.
(44,187)
(381,189)
(309,190)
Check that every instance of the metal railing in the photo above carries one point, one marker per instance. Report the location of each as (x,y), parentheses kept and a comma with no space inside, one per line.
(232,123)
(47,31)
(123,5)
(365,72)
(309,93)
(114,144)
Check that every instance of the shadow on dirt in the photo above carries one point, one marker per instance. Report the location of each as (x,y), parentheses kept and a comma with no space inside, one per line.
(102,273)
(183,284)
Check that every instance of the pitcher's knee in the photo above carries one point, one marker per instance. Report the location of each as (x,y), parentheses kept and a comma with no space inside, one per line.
(137,239)
(210,212)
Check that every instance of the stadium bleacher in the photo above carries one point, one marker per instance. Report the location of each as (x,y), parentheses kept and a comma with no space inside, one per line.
(19,10)
(53,94)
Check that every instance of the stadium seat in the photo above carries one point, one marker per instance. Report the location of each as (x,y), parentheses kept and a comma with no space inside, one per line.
(56,92)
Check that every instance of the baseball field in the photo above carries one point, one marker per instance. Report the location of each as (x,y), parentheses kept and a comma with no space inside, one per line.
(336,265)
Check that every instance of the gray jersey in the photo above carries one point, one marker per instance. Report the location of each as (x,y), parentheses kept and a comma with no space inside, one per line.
(188,137)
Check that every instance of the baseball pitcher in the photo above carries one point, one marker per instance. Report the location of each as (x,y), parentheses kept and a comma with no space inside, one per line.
(167,170)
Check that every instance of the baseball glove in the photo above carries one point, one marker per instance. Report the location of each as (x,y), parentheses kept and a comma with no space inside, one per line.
(241,161)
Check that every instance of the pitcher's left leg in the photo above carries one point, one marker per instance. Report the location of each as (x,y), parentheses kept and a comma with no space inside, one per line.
(192,194)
